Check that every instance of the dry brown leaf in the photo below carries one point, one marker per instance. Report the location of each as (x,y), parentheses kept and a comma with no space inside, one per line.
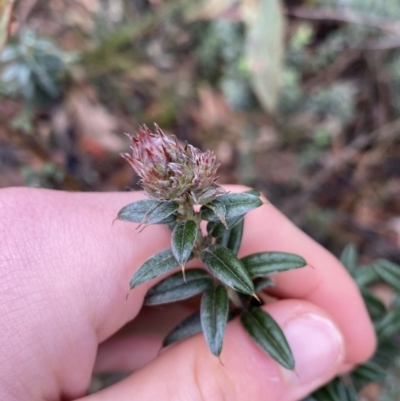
(6,8)
(213,109)
(95,124)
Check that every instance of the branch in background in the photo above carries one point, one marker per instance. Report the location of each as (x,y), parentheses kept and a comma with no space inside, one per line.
(324,14)
(331,165)
(41,152)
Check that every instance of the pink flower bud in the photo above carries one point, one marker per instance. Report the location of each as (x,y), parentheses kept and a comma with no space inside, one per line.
(170,171)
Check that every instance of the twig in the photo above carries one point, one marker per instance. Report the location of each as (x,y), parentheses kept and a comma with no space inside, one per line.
(332,71)
(348,16)
(333,164)
(31,143)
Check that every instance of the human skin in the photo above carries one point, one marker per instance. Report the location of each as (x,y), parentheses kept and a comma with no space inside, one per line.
(64,274)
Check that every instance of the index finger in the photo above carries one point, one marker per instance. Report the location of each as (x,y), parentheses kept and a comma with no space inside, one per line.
(324,281)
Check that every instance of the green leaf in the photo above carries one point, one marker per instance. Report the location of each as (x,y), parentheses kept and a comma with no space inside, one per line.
(232,238)
(217,229)
(367,373)
(262,283)
(236,205)
(365,275)
(227,268)
(349,257)
(375,306)
(214,316)
(253,192)
(188,327)
(174,289)
(136,211)
(268,335)
(149,211)
(209,194)
(389,272)
(386,352)
(336,390)
(263,263)
(183,239)
(214,210)
(161,213)
(158,264)
(264,49)
(389,325)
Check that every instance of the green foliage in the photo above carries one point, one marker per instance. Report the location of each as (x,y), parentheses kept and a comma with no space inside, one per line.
(227,267)
(233,283)
(174,288)
(33,69)
(387,327)
(214,316)
(267,334)
(157,265)
(187,328)
(183,240)
(265,263)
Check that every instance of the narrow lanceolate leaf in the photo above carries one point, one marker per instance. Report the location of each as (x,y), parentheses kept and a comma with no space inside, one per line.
(149,211)
(389,272)
(264,49)
(227,267)
(389,325)
(174,289)
(239,204)
(367,373)
(214,316)
(232,238)
(217,229)
(263,263)
(183,239)
(376,308)
(214,210)
(365,275)
(136,211)
(158,264)
(161,213)
(235,204)
(188,327)
(349,257)
(268,335)
(253,192)
(336,390)
(262,283)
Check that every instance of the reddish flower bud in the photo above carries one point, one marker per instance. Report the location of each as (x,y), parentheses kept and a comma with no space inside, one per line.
(170,171)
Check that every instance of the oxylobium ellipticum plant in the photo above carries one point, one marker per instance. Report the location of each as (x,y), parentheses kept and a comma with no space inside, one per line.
(180,182)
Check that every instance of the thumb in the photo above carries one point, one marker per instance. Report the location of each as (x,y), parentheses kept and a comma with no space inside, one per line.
(188,371)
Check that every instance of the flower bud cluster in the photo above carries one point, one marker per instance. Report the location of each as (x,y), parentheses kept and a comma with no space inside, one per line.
(171,171)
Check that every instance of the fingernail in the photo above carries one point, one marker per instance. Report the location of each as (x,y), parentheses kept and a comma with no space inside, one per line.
(317,346)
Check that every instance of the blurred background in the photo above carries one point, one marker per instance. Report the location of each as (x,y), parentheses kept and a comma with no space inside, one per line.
(299,99)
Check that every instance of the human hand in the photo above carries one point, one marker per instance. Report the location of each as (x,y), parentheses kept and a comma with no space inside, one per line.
(64,274)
